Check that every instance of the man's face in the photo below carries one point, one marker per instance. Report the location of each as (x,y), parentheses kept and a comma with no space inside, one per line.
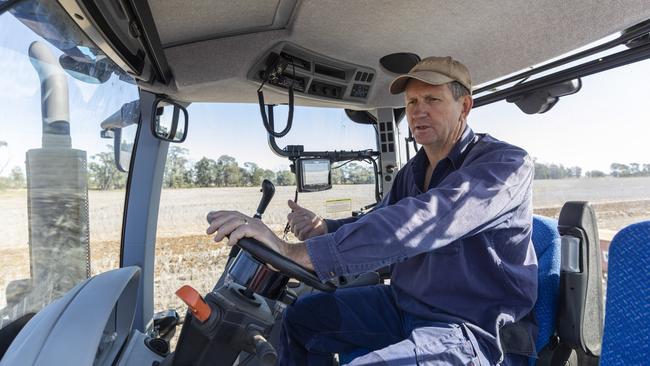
(434,117)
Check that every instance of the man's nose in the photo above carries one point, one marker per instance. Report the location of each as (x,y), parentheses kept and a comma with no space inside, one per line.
(417,111)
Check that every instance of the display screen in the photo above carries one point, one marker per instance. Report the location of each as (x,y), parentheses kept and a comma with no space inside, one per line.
(314,174)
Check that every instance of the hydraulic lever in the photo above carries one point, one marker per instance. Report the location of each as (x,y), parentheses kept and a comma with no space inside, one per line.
(268,190)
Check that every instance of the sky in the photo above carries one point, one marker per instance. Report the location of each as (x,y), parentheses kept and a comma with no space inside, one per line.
(606,122)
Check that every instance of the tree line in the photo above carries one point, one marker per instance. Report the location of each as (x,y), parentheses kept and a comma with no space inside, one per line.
(556,171)
(617,170)
(632,170)
(225,171)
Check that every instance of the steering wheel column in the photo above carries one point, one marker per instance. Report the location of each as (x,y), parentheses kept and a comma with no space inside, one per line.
(256,277)
(267,256)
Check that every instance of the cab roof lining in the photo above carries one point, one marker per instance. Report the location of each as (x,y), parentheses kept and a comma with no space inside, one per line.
(210,64)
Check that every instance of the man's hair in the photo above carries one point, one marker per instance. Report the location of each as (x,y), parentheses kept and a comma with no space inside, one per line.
(457,90)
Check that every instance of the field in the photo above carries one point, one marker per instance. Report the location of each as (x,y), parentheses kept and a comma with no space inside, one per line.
(185,255)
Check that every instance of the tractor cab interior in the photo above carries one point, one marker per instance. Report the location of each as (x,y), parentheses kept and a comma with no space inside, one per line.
(137,71)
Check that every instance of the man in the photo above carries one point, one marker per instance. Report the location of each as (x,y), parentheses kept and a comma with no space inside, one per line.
(456,226)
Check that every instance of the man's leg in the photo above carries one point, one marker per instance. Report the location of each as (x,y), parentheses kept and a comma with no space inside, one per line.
(318,325)
(434,344)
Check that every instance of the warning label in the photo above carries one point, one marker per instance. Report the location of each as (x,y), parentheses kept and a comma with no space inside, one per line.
(338,205)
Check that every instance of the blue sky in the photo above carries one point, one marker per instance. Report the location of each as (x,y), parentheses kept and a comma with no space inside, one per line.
(607,121)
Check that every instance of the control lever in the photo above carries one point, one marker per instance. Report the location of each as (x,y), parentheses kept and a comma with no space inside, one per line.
(268,190)
(199,308)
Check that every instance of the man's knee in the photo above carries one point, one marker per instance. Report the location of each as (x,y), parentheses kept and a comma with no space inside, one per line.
(316,312)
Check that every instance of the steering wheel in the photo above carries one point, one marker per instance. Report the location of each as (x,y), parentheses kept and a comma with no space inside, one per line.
(283,264)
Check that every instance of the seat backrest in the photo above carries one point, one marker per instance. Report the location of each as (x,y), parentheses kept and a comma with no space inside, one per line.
(580,309)
(627,319)
(546,240)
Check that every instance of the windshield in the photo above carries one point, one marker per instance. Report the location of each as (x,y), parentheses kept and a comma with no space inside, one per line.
(61,195)
(221,166)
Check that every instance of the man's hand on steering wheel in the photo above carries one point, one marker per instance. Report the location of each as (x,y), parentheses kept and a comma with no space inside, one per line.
(236,225)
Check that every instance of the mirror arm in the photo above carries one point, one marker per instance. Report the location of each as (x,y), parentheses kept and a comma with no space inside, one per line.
(117,147)
(127,115)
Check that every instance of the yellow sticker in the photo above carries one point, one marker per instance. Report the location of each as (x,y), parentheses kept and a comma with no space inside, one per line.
(338,205)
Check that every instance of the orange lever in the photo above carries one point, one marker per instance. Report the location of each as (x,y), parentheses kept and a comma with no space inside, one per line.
(195,302)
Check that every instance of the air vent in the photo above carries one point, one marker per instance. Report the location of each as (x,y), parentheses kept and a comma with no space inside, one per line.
(365,77)
(329,71)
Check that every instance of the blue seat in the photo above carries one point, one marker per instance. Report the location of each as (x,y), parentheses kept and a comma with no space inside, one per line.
(546,240)
(626,339)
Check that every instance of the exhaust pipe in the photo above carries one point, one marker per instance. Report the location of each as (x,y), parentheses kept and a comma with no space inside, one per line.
(55,108)
(57,198)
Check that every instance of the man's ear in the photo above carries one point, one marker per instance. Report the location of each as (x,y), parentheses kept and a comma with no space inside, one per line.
(468,102)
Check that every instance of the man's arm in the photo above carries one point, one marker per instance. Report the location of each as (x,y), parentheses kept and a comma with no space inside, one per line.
(472,199)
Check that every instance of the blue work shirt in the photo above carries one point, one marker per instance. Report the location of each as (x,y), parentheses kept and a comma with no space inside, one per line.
(461,250)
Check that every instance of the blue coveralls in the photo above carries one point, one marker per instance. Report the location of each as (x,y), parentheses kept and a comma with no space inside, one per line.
(463,265)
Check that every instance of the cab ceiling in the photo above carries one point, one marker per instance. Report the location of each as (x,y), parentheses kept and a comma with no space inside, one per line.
(211,44)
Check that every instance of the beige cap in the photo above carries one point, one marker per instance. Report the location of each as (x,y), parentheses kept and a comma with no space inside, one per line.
(434,71)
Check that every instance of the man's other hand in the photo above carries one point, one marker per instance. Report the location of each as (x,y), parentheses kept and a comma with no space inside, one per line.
(305,224)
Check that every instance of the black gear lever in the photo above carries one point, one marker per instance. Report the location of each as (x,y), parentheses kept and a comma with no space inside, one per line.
(268,190)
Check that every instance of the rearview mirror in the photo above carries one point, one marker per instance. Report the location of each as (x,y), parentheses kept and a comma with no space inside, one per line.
(543,99)
(313,175)
(121,126)
(169,121)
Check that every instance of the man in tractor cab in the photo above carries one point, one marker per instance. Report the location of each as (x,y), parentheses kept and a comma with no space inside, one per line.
(456,228)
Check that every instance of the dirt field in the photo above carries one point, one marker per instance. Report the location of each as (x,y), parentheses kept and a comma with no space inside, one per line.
(184,255)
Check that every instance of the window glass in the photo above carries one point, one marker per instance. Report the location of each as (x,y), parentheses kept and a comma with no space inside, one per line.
(591,146)
(221,165)
(61,195)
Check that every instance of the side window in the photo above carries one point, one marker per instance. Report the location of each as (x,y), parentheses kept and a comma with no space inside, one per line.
(221,165)
(590,146)
(61,195)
